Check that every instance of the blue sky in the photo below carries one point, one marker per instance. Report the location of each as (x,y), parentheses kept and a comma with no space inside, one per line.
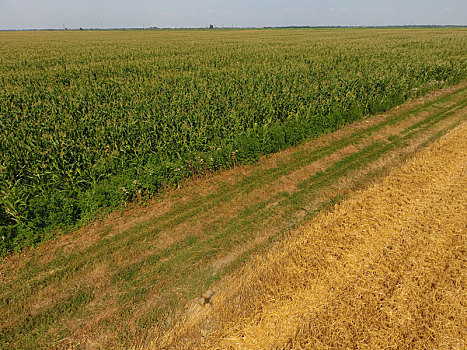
(21,14)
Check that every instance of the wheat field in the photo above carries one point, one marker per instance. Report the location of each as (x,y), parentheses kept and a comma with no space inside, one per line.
(385,269)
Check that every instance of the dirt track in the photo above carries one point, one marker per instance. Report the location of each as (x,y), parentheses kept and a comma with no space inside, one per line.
(384,269)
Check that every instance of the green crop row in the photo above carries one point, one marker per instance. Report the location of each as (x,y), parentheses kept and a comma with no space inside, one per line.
(92,120)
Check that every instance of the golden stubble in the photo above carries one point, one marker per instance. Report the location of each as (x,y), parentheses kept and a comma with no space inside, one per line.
(384,269)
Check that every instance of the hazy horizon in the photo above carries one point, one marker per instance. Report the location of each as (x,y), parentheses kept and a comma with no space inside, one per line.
(59,14)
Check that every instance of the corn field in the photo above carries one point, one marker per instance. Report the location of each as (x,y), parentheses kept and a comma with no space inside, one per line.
(92,120)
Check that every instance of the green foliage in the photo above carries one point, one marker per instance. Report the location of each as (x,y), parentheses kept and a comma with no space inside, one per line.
(92,120)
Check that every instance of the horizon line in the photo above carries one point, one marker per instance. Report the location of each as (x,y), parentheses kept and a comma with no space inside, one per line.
(241,27)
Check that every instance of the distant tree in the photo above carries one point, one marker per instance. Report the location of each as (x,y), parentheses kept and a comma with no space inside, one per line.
(80,28)
(211,26)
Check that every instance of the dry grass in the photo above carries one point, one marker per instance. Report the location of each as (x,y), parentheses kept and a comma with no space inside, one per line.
(385,269)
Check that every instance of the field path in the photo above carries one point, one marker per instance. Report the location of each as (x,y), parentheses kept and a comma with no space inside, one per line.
(108,284)
(384,269)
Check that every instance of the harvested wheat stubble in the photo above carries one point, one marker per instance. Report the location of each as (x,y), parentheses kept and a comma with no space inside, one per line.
(384,269)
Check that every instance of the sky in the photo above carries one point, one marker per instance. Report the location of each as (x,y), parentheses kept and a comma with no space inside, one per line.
(41,14)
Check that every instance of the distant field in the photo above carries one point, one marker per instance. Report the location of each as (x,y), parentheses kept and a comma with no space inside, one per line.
(91,120)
